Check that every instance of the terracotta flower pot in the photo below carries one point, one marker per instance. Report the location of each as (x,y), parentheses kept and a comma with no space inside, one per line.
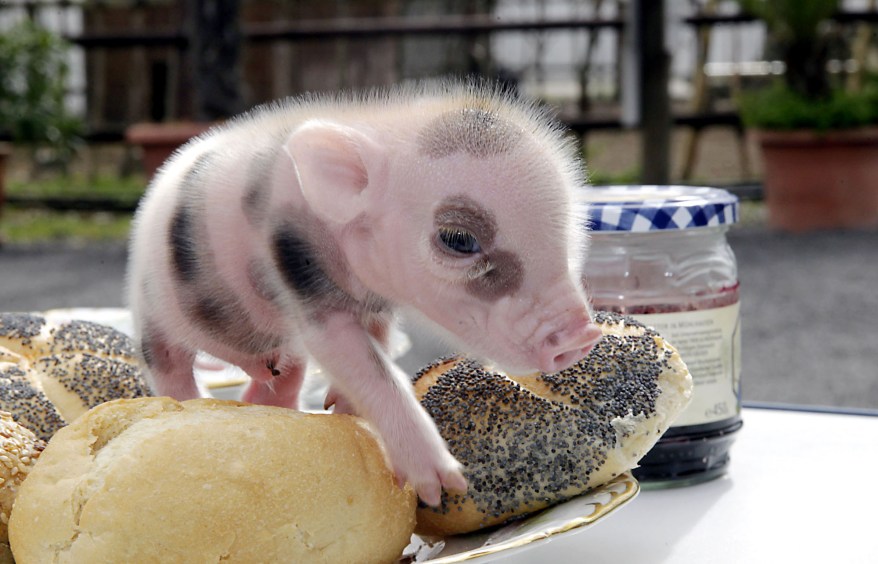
(160,140)
(821,180)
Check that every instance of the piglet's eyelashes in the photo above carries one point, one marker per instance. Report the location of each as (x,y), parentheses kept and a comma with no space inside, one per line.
(457,241)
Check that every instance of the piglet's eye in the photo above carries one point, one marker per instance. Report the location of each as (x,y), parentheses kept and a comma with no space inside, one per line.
(459,241)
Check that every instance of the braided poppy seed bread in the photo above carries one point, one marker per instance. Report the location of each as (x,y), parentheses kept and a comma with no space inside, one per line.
(51,373)
(19,451)
(531,442)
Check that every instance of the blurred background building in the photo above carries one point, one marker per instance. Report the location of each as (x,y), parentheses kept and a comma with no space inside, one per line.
(660,68)
(132,59)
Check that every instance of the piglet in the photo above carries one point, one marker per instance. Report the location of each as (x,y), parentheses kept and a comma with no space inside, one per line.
(298,229)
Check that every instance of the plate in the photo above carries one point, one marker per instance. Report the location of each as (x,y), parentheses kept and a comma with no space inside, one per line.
(225,381)
(563,519)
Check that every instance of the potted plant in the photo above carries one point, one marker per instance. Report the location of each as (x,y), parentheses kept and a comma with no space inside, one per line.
(819,141)
(158,140)
(33,82)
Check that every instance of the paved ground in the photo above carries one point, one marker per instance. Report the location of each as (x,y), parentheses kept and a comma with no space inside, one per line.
(809,307)
(810,314)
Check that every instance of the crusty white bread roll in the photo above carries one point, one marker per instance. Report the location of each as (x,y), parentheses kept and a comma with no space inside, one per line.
(156,480)
(50,373)
(19,451)
(534,441)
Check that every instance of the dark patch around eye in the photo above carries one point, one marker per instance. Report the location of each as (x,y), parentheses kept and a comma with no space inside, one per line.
(463,212)
(503,279)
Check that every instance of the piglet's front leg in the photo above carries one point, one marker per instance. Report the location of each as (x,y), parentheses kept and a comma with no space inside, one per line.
(379,391)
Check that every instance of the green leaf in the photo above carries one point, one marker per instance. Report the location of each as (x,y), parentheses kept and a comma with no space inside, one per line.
(33,83)
(779,107)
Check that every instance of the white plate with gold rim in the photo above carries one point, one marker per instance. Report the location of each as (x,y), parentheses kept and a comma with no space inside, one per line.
(565,518)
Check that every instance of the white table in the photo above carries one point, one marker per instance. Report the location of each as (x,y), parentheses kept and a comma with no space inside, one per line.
(800,488)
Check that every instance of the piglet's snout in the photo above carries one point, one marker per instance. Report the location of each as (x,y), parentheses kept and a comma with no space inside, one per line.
(569,344)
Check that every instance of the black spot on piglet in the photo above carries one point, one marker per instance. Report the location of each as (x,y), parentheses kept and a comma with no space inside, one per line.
(182,240)
(296,260)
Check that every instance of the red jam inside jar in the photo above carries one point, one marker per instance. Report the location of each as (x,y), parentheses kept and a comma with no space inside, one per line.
(660,255)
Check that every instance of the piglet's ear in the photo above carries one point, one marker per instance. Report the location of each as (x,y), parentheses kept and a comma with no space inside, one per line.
(329,161)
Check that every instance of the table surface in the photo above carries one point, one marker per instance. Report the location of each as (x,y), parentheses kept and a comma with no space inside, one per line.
(799,489)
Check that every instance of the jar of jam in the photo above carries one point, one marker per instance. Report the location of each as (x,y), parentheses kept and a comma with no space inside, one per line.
(660,255)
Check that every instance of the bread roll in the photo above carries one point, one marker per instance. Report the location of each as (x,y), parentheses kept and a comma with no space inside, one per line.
(19,451)
(530,442)
(51,374)
(156,480)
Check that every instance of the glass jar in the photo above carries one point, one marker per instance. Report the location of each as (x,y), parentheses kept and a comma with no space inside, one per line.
(660,255)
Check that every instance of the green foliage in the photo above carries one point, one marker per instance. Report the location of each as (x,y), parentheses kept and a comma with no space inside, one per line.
(33,78)
(797,30)
(779,107)
(806,97)
(28,222)
(41,226)
(126,190)
(792,20)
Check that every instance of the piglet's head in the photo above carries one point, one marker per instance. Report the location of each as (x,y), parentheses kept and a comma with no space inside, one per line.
(468,223)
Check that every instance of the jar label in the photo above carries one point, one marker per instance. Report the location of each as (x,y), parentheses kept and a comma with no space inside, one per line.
(709,341)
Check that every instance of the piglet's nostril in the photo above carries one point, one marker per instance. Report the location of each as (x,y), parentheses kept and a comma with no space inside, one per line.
(563,348)
(565,359)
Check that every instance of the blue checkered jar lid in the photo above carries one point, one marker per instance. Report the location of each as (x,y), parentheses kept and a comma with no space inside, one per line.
(654,208)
